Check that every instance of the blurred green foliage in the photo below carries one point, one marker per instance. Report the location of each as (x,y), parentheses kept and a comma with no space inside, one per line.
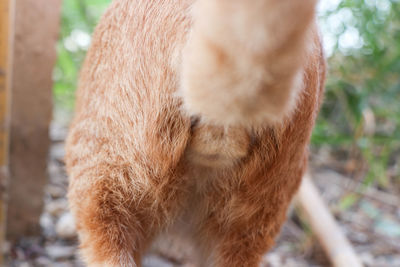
(79,18)
(361,113)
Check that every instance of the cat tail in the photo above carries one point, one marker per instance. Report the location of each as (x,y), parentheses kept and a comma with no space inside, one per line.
(243,62)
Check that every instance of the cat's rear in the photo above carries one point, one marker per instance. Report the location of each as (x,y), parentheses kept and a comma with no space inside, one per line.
(198,110)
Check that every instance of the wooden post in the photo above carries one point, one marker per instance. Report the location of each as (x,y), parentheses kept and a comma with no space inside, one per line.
(6,24)
(36,35)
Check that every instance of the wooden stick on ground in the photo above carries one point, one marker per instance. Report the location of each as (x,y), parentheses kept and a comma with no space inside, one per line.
(6,34)
(337,247)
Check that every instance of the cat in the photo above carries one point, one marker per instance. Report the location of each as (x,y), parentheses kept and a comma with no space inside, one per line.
(196,113)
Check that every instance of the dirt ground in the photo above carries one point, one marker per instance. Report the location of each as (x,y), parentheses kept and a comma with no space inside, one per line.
(368,216)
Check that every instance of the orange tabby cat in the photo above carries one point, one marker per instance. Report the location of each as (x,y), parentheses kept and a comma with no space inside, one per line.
(197,113)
